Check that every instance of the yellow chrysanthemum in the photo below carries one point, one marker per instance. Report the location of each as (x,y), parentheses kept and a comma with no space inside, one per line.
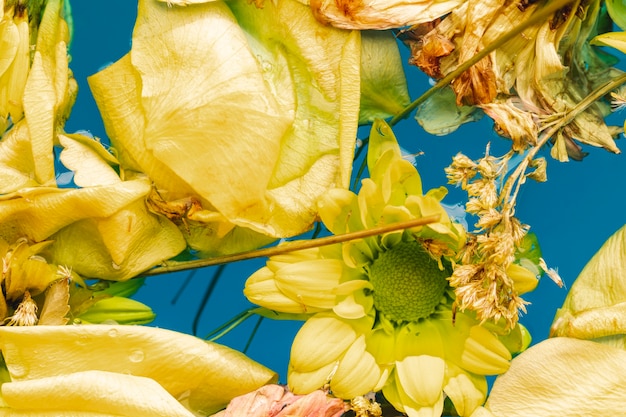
(380,309)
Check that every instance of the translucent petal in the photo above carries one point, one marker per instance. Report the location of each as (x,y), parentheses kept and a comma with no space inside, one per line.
(419,338)
(575,377)
(595,305)
(369,14)
(89,160)
(208,375)
(384,91)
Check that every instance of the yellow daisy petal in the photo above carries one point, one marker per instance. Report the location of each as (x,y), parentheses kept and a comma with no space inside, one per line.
(323,339)
(357,373)
(421,378)
(484,354)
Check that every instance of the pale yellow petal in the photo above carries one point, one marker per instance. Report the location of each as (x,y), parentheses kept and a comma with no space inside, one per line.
(206,375)
(484,354)
(322,340)
(467,391)
(421,378)
(86,157)
(370,14)
(93,391)
(562,376)
(357,373)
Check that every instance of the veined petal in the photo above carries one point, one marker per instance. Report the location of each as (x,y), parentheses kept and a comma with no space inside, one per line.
(357,373)
(484,354)
(421,379)
(92,391)
(575,377)
(312,283)
(206,375)
(322,340)
(369,14)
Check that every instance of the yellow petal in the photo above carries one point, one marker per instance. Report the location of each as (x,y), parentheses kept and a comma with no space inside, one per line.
(467,391)
(93,391)
(89,160)
(206,375)
(370,14)
(421,378)
(595,305)
(261,289)
(564,376)
(322,340)
(484,354)
(615,40)
(357,373)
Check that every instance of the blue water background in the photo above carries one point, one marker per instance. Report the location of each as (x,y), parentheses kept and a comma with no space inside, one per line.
(580,206)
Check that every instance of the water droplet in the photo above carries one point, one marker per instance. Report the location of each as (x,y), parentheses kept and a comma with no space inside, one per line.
(18,370)
(112,333)
(82,340)
(136,356)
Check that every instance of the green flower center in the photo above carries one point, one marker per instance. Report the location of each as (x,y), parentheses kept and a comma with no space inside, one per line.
(408,283)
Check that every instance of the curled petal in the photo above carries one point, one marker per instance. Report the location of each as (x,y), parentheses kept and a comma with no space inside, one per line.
(206,375)
(370,14)
(102,392)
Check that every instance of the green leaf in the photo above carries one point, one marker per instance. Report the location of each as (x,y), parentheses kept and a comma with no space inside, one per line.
(384,90)
(440,115)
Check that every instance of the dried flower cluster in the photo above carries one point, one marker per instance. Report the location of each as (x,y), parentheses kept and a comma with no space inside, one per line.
(531,81)
(486,279)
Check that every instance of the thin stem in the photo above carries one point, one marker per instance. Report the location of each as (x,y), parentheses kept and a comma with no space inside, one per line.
(545,137)
(173,266)
(205,298)
(254,331)
(538,17)
(228,326)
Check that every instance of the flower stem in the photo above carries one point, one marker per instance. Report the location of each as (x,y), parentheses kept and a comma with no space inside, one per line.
(174,266)
(514,179)
(540,16)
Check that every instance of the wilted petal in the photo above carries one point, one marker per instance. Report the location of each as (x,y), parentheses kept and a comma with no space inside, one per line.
(370,14)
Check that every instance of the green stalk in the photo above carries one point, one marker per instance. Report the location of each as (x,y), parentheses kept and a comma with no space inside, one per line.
(173,266)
